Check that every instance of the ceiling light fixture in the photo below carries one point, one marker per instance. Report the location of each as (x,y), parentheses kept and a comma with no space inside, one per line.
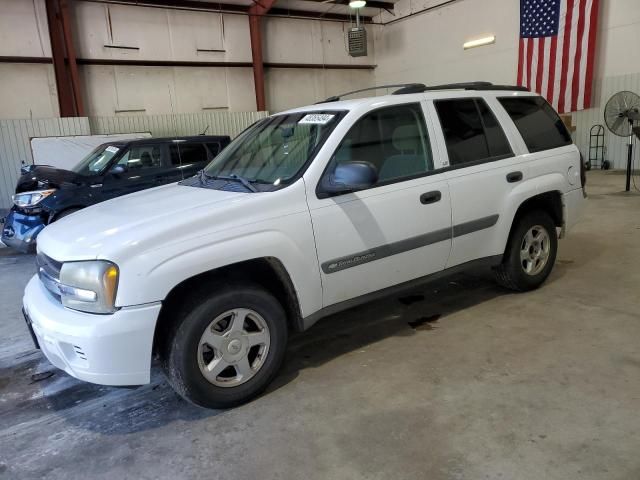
(357,3)
(480,42)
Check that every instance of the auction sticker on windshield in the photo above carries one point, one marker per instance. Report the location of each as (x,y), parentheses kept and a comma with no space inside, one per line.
(112,149)
(317,118)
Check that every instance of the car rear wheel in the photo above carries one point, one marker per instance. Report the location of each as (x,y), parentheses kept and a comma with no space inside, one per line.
(227,347)
(530,254)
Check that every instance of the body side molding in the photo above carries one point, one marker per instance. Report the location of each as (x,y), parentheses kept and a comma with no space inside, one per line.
(376,253)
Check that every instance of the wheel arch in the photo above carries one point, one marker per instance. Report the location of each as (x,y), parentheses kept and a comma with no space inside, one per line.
(549,201)
(268,272)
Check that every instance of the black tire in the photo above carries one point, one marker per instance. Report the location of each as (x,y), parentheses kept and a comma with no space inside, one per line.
(180,352)
(511,273)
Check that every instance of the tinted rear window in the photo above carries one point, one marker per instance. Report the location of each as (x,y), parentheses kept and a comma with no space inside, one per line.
(538,123)
(187,153)
(471,131)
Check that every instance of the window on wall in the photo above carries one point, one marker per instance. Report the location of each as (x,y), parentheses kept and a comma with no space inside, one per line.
(393,139)
(538,123)
(472,132)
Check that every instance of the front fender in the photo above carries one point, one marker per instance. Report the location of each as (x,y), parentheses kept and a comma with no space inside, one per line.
(150,276)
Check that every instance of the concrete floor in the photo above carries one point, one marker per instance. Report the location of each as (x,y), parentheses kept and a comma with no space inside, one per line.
(461,380)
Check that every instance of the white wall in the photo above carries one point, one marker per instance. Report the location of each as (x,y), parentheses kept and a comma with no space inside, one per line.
(617,68)
(297,41)
(427,48)
(26,90)
(166,35)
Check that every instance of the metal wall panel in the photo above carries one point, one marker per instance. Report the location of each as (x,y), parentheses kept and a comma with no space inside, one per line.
(218,123)
(616,147)
(15,135)
(15,147)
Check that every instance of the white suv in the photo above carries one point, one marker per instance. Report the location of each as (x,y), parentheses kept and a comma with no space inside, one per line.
(306,213)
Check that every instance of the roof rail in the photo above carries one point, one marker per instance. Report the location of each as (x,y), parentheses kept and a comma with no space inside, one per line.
(474,86)
(406,88)
(335,98)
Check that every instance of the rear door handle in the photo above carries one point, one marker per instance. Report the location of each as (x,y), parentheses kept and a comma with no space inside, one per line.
(514,177)
(430,197)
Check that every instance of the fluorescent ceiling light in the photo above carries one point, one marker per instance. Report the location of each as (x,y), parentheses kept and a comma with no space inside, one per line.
(357,3)
(480,42)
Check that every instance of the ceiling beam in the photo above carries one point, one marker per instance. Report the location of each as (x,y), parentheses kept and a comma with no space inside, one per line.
(370,3)
(180,4)
(230,8)
(340,17)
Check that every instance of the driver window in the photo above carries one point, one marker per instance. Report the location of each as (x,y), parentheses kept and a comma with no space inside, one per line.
(141,157)
(393,139)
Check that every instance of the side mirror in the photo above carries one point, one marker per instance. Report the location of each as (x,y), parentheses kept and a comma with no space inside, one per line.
(117,170)
(350,177)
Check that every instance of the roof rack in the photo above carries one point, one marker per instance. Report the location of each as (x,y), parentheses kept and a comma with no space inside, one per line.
(473,86)
(335,98)
(406,88)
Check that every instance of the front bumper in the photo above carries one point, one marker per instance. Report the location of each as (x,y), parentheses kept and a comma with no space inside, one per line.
(105,349)
(20,231)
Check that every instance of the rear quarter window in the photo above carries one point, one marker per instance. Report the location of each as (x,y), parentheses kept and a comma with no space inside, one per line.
(538,123)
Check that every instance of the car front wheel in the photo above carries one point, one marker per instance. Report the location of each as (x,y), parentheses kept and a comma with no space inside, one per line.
(227,347)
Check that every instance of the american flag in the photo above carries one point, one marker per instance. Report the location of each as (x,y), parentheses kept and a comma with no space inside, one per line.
(557,50)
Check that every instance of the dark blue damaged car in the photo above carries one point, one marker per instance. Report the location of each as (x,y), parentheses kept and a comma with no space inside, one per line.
(45,194)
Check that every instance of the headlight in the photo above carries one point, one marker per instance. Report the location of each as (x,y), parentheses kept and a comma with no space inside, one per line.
(30,199)
(89,286)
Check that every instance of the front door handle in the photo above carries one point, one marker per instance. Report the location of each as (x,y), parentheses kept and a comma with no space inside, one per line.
(514,177)
(430,197)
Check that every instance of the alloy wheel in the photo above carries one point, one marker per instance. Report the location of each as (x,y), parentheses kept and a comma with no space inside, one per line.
(534,250)
(233,347)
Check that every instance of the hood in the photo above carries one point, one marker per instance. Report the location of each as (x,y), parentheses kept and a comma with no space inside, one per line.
(142,221)
(42,177)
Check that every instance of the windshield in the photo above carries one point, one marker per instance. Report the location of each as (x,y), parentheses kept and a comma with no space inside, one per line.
(276,149)
(96,161)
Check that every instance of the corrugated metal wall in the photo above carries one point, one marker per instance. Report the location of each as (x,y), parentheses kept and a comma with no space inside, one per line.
(215,123)
(15,147)
(616,147)
(15,135)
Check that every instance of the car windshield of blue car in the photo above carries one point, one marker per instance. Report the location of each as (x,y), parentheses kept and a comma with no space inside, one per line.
(276,150)
(97,161)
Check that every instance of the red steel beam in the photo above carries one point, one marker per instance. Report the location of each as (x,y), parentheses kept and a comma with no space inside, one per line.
(64,59)
(63,82)
(72,63)
(256,12)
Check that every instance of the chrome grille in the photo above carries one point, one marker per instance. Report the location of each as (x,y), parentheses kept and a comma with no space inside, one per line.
(49,273)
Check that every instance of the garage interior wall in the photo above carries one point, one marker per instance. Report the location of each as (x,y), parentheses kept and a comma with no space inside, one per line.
(159,34)
(26,90)
(409,47)
(427,48)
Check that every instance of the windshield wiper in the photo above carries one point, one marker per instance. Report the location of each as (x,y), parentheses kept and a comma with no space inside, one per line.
(202,176)
(237,178)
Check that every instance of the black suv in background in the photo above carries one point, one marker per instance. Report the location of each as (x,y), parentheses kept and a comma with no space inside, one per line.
(45,194)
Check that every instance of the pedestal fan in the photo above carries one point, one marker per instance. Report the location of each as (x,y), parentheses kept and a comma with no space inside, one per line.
(620,114)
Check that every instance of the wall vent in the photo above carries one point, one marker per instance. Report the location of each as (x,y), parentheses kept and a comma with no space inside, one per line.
(357,39)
